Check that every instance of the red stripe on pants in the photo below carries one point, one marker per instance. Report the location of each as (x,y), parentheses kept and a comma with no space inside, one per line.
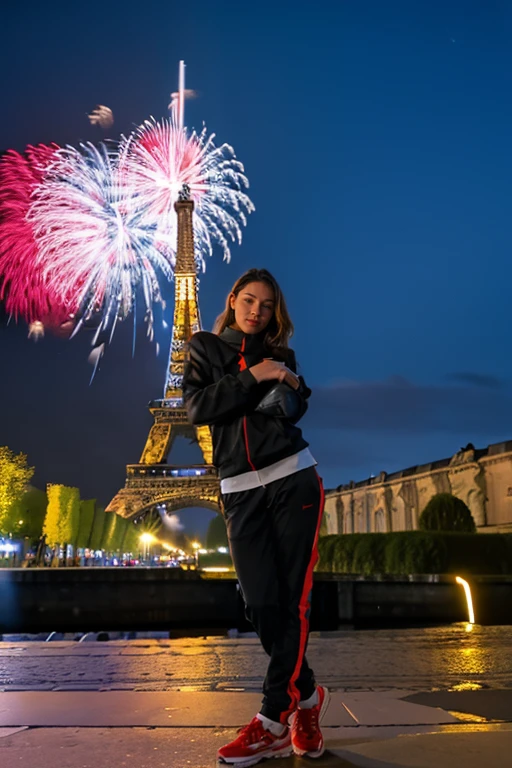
(304,605)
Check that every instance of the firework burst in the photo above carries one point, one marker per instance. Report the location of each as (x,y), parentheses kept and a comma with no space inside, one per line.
(159,158)
(22,286)
(86,234)
(92,241)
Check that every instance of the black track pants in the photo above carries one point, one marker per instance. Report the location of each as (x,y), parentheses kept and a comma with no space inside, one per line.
(273,534)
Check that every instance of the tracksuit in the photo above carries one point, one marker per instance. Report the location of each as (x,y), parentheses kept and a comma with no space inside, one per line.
(272,502)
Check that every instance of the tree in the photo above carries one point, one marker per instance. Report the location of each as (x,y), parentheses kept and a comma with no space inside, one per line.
(15,474)
(86,523)
(445,512)
(119,534)
(216,535)
(109,532)
(131,542)
(114,532)
(97,529)
(62,515)
(71,517)
(53,511)
(27,515)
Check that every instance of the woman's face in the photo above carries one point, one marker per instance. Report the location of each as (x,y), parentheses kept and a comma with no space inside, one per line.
(253,307)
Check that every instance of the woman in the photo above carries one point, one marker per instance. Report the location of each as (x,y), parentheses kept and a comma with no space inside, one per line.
(242,381)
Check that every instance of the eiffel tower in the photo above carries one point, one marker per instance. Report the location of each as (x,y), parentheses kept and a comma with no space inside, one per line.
(152,482)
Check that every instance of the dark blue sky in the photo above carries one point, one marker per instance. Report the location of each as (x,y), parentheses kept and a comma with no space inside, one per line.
(377,140)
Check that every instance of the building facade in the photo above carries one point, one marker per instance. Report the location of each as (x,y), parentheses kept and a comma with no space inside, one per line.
(394,502)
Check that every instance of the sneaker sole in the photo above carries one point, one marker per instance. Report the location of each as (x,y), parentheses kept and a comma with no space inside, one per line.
(318,752)
(246,762)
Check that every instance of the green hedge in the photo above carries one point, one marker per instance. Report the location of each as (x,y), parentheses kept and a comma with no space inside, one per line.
(215,560)
(416,552)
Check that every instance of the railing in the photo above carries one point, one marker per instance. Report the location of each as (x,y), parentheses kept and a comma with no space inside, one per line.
(166,470)
(167,402)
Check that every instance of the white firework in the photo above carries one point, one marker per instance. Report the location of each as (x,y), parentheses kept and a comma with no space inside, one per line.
(92,243)
(159,158)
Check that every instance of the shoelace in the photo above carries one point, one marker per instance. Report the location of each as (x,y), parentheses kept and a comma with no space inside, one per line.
(254,732)
(307,721)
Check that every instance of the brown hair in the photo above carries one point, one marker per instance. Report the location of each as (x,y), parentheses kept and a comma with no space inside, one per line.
(280,328)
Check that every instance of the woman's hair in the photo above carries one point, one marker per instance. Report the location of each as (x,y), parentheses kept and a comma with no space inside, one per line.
(280,328)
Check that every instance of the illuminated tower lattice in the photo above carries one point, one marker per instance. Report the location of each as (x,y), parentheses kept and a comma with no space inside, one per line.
(153,482)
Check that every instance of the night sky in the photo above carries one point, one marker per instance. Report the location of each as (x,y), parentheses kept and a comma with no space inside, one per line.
(377,140)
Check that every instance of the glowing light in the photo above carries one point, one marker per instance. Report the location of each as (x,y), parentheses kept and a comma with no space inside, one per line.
(467,591)
(467,686)
(216,569)
(159,158)
(196,545)
(147,538)
(222,550)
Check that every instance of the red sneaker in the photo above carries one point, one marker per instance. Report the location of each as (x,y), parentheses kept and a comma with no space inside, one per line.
(307,737)
(255,743)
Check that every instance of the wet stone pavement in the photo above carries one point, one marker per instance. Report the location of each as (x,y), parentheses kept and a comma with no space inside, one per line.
(427,659)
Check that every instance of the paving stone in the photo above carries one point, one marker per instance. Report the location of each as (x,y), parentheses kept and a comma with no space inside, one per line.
(380,709)
(472,749)
(484,705)
(155,709)
(10,731)
(140,747)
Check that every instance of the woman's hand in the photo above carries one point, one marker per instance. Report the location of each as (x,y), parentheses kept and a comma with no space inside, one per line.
(271,369)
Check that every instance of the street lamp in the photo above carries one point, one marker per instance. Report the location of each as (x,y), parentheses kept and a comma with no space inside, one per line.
(196,546)
(146,539)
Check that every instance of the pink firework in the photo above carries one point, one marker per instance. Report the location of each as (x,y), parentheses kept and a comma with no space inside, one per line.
(23,287)
(159,158)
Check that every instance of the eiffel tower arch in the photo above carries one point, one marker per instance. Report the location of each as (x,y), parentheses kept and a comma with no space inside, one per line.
(152,482)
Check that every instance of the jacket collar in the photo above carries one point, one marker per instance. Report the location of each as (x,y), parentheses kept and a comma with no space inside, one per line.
(235,338)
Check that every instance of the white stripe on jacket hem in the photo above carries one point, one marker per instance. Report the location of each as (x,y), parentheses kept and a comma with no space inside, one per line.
(259,478)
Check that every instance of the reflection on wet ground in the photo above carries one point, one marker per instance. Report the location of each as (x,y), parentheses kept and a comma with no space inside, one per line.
(433,658)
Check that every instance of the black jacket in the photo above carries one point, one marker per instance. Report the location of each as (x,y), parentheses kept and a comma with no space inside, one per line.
(219,390)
